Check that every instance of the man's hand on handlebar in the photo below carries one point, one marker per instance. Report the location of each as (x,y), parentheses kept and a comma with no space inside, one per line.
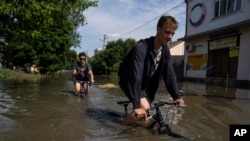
(140,113)
(180,102)
(81,69)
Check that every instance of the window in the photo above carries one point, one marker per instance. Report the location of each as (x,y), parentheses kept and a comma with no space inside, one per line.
(216,9)
(222,7)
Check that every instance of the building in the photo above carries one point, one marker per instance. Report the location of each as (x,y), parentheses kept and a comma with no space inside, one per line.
(98,50)
(177,54)
(217,42)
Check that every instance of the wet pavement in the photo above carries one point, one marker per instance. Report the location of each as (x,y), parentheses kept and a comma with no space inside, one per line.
(48,110)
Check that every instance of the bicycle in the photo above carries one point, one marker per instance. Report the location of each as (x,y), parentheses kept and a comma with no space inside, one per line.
(82,93)
(163,128)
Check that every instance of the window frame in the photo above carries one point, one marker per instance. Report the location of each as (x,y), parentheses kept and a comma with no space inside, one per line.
(225,7)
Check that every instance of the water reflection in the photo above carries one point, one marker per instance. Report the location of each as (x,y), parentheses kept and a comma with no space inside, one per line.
(48,110)
(213,109)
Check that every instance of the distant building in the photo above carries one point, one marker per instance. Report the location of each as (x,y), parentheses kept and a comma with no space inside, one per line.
(97,50)
(217,42)
(177,49)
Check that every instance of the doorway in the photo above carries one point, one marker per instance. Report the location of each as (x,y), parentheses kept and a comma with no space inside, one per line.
(222,64)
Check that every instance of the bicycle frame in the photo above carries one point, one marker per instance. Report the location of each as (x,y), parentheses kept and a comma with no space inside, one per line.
(158,116)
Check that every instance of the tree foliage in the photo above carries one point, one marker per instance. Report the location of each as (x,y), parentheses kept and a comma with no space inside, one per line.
(42,32)
(108,61)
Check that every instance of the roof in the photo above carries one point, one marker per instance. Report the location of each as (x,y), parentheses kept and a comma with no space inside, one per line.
(175,43)
(237,25)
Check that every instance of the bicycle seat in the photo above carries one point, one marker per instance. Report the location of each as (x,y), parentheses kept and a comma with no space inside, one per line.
(123,102)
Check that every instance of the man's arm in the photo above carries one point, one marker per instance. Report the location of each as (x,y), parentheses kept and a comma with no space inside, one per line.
(91,75)
(136,73)
(75,72)
(170,79)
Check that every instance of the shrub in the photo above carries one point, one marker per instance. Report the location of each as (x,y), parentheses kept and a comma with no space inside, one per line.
(4,73)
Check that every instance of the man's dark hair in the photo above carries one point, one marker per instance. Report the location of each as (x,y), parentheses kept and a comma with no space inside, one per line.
(82,54)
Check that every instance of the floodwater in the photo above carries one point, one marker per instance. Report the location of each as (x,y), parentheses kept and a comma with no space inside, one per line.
(47,110)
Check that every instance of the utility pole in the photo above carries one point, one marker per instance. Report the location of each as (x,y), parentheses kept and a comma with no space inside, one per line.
(104,38)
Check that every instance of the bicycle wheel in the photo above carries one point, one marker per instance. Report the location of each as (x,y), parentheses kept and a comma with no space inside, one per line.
(81,94)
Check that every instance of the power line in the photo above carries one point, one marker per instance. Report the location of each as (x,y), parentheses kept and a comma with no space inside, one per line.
(147,6)
(152,20)
(142,10)
(145,12)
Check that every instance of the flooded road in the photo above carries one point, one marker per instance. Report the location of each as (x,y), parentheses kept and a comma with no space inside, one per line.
(47,110)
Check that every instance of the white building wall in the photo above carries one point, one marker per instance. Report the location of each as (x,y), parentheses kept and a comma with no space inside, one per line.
(244,56)
(200,47)
(211,23)
(178,49)
(235,22)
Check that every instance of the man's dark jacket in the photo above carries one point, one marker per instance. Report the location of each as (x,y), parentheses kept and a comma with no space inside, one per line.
(137,80)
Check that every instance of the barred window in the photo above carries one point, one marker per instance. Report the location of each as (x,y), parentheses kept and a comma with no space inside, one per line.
(222,7)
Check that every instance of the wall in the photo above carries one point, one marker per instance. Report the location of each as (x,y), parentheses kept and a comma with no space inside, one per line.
(178,49)
(211,23)
(201,48)
(244,56)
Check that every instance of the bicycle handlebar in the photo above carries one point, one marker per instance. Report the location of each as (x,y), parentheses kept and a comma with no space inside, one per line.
(157,104)
(123,102)
(160,103)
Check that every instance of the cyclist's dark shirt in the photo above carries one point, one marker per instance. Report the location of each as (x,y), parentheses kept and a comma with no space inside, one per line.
(137,80)
(83,76)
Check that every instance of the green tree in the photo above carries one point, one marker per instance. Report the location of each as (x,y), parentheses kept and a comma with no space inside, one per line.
(108,61)
(71,59)
(98,63)
(41,32)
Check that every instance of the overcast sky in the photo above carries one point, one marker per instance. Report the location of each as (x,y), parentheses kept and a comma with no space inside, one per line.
(127,19)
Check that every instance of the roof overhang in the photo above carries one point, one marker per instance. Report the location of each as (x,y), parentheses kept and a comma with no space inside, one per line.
(238,25)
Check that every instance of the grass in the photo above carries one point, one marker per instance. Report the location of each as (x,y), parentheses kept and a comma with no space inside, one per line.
(17,75)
